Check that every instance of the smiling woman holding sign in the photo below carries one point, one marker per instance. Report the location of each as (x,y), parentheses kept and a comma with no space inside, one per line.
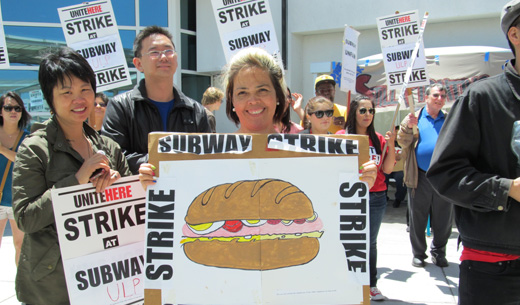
(63,151)
(255,101)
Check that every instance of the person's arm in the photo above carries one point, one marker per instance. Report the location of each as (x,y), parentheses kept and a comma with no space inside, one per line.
(115,126)
(389,162)
(32,202)
(203,124)
(405,134)
(297,105)
(453,170)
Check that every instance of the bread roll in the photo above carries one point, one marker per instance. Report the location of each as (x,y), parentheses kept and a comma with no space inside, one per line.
(274,254)
(250,199)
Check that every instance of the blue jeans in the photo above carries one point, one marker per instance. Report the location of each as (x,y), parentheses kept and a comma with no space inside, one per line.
(377,210)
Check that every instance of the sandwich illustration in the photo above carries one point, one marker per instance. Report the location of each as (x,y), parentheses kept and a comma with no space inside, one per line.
(252,225)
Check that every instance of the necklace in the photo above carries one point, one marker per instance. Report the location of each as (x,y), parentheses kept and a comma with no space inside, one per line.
(10,135)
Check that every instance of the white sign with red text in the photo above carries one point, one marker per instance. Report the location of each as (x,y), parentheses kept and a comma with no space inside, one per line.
(398,34)
(89,222)
(114,276)
(90,28)
(101,241)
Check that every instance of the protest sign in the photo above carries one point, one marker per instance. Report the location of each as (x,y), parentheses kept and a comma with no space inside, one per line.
(90,28)
(333,230)
(243,24)
(101,241)
(4,58)
(349,60)
(398,34)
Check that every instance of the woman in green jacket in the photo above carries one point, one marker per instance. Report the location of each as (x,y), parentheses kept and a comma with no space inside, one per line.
(61,152)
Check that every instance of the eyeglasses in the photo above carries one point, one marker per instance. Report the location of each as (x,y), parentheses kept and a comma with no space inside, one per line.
(100,105)
(319,114)
(436,95)
(10,108)
(364,110)
(157,54)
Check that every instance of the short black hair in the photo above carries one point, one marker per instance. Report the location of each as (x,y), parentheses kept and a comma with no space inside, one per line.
(26,117)
(147,32)
(59,64)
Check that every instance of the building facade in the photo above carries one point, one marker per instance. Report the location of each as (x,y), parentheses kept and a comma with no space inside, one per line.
(309,33)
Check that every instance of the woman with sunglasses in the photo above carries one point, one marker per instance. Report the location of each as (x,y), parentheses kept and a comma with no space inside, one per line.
(255,101)
(63,151)
(318,115)
(13,120)
(360,120)
(100,107)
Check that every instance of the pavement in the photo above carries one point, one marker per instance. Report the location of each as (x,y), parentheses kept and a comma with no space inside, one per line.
(399,281)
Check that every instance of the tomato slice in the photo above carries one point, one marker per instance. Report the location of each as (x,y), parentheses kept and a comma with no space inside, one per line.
(233,225)
(299,221)
(274,221)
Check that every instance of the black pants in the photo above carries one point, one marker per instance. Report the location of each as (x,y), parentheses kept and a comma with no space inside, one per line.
(489,283)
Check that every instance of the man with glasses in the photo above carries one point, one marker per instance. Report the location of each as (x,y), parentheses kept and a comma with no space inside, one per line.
(325,86)
(423,200)
(155,103)
(476,166)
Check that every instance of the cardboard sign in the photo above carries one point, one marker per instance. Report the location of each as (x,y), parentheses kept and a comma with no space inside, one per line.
(278,166)
(398,34)
(243,24)
(91,29)
(101,241)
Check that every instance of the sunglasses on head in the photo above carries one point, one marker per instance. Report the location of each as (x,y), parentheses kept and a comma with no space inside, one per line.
(364,110)
(319,114)
(100,105)
(10,108)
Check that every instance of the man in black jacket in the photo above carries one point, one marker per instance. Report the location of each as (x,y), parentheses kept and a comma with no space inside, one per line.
(476,165)
(154,104)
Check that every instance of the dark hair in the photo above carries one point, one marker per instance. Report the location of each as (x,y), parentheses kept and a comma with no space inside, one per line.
(26,117)
(259,58)
(286,119)
(147,32)
(350,125)
(59,64)
(311,107)
(103,97)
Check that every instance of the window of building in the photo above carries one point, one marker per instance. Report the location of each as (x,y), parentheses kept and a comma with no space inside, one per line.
(194,85)
(155,14)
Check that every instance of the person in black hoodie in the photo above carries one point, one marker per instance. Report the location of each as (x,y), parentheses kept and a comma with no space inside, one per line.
(476,166)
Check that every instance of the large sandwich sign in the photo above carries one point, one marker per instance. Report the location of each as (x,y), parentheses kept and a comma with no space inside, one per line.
(243,24)
(91,29)
(398,34)
(259,233)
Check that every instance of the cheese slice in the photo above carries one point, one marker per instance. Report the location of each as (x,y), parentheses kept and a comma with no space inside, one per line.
(251,238)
